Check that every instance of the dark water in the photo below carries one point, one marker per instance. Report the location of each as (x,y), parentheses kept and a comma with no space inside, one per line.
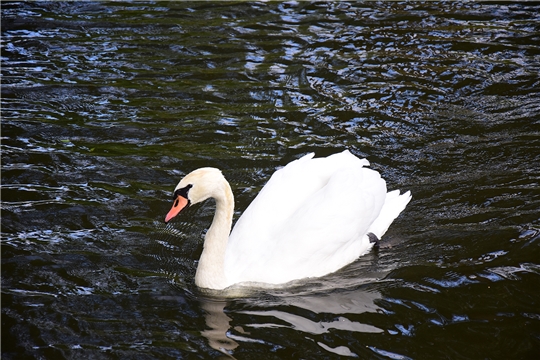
(106,105)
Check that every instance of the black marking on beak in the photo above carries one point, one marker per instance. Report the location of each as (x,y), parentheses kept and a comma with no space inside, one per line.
(183,192)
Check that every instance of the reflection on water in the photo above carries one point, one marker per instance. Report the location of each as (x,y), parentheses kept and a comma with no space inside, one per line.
(218,326)
(340,303)
(303,313)
(105,106)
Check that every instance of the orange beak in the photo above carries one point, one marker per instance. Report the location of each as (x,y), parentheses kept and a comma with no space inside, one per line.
(179,204)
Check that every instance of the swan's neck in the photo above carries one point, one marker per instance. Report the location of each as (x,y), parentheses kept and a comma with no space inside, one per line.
(210,271)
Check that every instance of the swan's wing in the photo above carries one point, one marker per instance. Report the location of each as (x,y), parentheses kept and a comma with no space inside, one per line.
(287,189)
(327,232)
(308,210)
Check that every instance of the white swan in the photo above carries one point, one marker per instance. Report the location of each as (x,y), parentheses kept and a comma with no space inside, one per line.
(313,217)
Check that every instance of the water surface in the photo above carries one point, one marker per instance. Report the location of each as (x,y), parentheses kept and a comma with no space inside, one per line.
(106,105)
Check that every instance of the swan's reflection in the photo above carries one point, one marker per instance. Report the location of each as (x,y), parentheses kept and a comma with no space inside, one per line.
(218,324)
(340,303)
(353,302)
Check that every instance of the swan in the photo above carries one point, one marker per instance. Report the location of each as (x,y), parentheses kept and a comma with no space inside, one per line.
(313,217)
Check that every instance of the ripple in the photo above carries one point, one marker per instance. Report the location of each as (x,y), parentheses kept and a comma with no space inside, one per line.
(452,280)
(512,272)
(106,105)
(388,354)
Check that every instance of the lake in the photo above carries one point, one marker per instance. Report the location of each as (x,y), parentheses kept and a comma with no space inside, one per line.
(107,105)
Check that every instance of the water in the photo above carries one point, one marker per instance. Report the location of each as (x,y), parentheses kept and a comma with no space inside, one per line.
(106,105)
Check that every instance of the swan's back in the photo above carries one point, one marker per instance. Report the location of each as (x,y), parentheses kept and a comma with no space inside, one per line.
(310,219)
(288,188)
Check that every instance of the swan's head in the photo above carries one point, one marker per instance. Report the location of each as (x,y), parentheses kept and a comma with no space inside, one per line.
(195,187)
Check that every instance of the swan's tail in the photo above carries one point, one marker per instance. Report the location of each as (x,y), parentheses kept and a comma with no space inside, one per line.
(393,206)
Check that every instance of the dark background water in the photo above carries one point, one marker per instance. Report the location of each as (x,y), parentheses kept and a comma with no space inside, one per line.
(106,105)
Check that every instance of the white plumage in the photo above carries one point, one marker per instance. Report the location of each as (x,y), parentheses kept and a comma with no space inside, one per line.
(311,219)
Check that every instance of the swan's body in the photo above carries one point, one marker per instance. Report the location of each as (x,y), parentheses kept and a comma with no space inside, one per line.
(313,217)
